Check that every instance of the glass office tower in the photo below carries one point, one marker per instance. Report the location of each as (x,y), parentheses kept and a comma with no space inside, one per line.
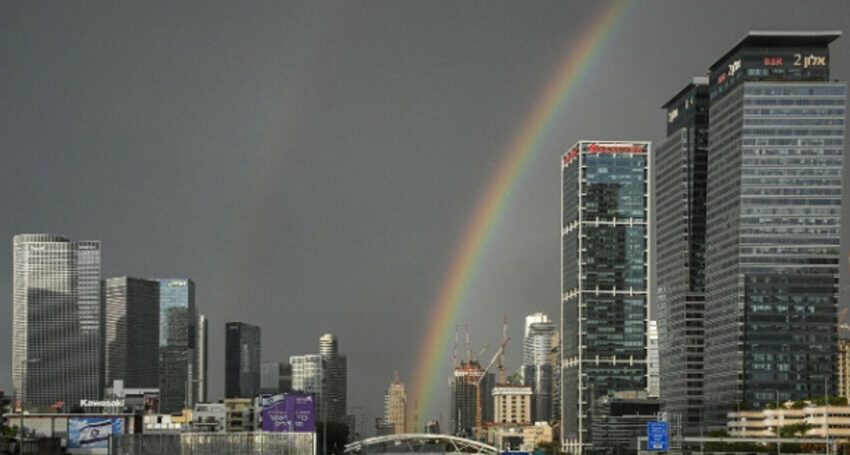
(131,331)
(776,145)
(177,319)
(57,328)
(605,275)
(681,163)
(242,360)
(538,353)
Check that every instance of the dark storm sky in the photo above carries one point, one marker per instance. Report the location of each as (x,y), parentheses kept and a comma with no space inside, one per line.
(312,165)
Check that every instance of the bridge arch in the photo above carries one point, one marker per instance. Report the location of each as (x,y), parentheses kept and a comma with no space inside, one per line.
(418,442)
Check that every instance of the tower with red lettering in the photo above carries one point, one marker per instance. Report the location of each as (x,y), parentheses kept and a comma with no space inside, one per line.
(604,278)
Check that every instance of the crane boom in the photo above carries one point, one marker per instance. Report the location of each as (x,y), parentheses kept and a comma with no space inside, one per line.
(493,361)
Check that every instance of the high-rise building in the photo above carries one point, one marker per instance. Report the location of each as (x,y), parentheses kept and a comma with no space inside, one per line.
(488,411)
(275,377)
(539,360)
(131,332)
(308,375)
(202,359)
(512,404)
(680,164)
(336,379)
(56,321)
(395,405)
(242,360)
(605,277)
(776,145)
(177,338)
(465,398)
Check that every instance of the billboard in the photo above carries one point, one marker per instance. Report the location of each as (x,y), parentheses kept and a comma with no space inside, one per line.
(292,412)
(91,434)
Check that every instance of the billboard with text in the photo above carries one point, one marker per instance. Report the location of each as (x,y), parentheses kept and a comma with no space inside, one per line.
(292,412)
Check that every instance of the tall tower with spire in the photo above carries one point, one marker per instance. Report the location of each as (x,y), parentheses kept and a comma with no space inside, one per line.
(395,406)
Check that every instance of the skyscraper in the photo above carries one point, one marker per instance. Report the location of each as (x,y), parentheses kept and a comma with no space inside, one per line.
(242,360)
(177,338)
(605,275)
(539,350)
(776,145)
(202,359)
(275,377)
(395,406)
(131,331)
(680,164)
(57,320)
(336,369)
(308,375)
(464,398)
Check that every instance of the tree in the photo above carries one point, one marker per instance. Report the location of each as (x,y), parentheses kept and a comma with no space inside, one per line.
(795,430)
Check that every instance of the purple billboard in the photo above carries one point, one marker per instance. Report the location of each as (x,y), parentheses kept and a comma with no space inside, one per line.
(292,412)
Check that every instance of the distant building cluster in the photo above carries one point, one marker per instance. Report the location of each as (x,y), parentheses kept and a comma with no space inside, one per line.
(76,335)
(133,353)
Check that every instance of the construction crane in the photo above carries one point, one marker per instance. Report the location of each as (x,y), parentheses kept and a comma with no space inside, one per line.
(499,355)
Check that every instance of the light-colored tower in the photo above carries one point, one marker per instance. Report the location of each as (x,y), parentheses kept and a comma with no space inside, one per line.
(202,359)
(308,376)
(512,404)
(336,381)
(395,405)
(57,320)
(539,361)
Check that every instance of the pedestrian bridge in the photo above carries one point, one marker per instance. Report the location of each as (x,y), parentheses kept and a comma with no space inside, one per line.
(421,443)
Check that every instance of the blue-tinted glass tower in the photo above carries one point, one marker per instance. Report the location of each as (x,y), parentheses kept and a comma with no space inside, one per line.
(605,278)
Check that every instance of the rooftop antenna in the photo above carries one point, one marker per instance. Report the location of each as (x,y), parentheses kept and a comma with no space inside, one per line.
(468,349)
(454,350)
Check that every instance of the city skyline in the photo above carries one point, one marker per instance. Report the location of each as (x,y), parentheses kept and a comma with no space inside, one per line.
(314,167)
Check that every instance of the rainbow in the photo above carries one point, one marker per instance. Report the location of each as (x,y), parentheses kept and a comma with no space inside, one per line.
(496,198)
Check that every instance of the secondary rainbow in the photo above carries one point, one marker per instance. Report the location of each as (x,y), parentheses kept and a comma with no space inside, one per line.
(497,196)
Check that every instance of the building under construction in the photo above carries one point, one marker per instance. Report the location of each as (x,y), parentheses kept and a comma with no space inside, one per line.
(465,399)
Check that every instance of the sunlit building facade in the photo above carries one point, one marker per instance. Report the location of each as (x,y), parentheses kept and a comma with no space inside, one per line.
(336,378)
(395,406)
(56,321)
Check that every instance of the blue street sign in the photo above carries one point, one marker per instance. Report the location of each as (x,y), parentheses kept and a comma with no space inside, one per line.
(656,436)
